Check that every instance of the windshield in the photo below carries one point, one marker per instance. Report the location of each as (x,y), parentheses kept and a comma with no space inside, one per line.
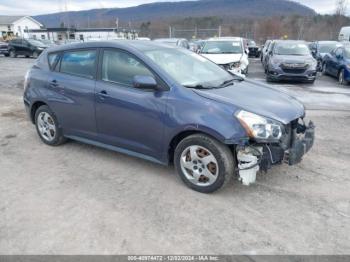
(222,47)
(188,68)
(251,43)
(36,43)
(327,47)
(292,49)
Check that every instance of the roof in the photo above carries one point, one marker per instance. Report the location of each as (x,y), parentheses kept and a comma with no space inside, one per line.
(140,45)
(8,20)
(168,40)
(225,39)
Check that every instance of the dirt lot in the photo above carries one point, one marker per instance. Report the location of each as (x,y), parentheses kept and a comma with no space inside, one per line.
(79,199)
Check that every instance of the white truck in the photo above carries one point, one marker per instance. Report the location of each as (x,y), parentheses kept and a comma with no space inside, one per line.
(344,34)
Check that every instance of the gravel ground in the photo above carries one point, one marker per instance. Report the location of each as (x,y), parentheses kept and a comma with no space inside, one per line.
(79,199)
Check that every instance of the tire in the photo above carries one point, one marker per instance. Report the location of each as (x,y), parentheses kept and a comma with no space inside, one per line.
(246,71)
(268,78)
(12,54)
(54,136)
(341,78)
(213,163)
(323,69)
(35,55)
(6,55)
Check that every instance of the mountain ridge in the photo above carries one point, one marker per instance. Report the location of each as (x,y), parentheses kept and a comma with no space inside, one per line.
(172,10)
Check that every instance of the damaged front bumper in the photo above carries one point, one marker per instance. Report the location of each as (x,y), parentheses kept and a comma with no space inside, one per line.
(262,156)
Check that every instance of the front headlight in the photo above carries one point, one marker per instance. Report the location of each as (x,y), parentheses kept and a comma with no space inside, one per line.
(313,63)
(260,128)
(276,61)
(235,65)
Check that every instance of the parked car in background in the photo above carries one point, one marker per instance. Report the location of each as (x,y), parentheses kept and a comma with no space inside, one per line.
(320,48)
(228,52)
(167,105)
(336,63)
(48,42)
(254,49)
(181,42)
(26,47)
(344,34)
(196,45)
(143,38)
(4,49)
(264,50)
(290,60)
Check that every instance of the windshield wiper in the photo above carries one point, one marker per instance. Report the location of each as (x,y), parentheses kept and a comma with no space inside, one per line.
(198,87)
(230,82)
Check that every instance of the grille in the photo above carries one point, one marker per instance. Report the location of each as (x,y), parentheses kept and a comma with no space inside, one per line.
(294,70)
(3,46)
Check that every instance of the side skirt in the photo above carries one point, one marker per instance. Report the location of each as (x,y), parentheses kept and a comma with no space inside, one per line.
(117,149)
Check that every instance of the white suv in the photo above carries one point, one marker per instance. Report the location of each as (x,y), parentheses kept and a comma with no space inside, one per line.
(228,52)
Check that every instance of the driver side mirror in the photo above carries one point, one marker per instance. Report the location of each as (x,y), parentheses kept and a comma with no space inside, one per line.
(145,82)
(338,56)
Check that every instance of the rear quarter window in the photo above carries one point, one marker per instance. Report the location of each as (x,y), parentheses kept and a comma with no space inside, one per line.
(53,60)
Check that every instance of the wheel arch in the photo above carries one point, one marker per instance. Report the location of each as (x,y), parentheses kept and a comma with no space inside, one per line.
(176,139)
(34,108)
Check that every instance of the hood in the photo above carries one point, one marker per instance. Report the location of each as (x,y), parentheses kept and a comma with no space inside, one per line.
(223,59)
(294,59)
(322,55)
(257,98)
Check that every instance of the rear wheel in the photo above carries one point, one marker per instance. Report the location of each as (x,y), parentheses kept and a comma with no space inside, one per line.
(47,127)
(203,163)
(341,77)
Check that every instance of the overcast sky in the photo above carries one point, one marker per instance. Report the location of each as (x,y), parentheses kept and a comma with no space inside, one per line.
(35,7)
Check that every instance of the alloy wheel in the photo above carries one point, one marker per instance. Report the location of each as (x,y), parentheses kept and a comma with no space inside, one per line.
(199,165)
(341,77)
(46,126)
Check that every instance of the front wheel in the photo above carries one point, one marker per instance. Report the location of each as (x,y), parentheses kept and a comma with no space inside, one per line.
(13,54)
(203,163)
(324,69)
(35,55)
(341,78)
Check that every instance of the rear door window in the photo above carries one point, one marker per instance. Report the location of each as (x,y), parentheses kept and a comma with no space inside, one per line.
(79,63)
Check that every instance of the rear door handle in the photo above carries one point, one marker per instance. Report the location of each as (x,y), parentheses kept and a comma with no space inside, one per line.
(54,83)
(56,86)
(103,94)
